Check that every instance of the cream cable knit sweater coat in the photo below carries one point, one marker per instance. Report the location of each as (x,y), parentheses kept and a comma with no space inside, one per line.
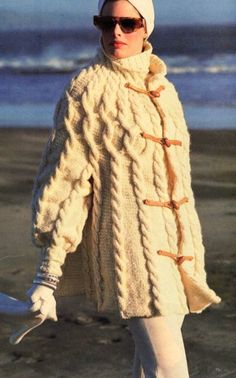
(96,172)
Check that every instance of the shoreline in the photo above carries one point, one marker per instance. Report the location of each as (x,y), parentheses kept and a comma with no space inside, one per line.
(45,129)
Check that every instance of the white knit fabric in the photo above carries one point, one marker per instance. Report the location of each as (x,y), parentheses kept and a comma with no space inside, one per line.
(95,174)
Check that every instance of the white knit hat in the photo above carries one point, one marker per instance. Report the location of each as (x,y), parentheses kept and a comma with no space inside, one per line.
(145,8)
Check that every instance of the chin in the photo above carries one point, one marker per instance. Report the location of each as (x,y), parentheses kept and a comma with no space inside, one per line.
(117,53)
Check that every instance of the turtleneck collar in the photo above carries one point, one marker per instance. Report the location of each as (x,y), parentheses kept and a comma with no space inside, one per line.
(138,63)
(143,63)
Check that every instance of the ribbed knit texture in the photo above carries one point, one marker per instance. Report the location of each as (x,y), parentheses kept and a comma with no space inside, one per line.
(95,174)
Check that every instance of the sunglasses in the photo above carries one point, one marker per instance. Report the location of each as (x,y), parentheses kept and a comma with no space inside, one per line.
(108,23)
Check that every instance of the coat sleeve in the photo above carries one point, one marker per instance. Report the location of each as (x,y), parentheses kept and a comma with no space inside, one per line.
(62,191)
(179,117)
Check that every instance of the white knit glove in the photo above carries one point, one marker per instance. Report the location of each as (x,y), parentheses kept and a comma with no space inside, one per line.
(43,300)
(31,314)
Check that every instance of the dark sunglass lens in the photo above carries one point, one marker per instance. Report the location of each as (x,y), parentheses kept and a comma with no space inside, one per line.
(108,24)
(128,25)
(105,23)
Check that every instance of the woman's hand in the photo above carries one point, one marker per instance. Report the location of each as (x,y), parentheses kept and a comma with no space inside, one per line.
(43,300)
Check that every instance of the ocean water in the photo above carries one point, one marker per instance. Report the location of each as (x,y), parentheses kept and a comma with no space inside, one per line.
(35,67)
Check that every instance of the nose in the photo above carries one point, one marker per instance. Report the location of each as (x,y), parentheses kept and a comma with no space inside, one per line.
(117,30)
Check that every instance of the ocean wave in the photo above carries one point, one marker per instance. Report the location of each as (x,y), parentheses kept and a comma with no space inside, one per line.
(196,70)
(35,66)
(191,64)
(178,65)
(56,66)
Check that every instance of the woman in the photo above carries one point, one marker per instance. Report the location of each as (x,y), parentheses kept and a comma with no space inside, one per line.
(114,188)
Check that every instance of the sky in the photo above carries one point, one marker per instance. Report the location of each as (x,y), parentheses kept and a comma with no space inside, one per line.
(18,14)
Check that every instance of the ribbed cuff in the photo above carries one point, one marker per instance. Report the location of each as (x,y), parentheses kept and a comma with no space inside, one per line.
(51,261)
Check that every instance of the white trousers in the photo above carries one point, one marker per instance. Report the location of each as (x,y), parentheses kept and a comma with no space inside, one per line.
(159,347)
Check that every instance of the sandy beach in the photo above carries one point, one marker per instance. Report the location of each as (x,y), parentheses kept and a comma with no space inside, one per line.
(84,343)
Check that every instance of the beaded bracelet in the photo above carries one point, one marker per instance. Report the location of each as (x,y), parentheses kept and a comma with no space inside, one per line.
(45,283)
(48,277)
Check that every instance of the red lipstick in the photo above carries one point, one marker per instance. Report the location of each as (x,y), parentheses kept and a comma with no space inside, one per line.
(117,43)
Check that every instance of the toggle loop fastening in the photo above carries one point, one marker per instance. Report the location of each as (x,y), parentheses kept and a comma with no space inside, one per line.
(153,93)
(179,259)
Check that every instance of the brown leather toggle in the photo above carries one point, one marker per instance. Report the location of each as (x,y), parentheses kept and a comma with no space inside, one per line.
(172,204)
(176,204)
(163,141)
(179,259)
(154,93)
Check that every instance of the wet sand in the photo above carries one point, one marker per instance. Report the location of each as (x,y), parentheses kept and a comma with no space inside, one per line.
(84,343)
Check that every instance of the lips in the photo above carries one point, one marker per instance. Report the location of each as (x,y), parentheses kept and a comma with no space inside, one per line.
(117,43)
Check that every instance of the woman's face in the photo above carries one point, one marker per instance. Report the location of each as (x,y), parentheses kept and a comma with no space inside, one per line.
(130,43)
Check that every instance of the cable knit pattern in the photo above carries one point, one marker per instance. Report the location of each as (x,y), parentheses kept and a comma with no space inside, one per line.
(89,195)
(116,203)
